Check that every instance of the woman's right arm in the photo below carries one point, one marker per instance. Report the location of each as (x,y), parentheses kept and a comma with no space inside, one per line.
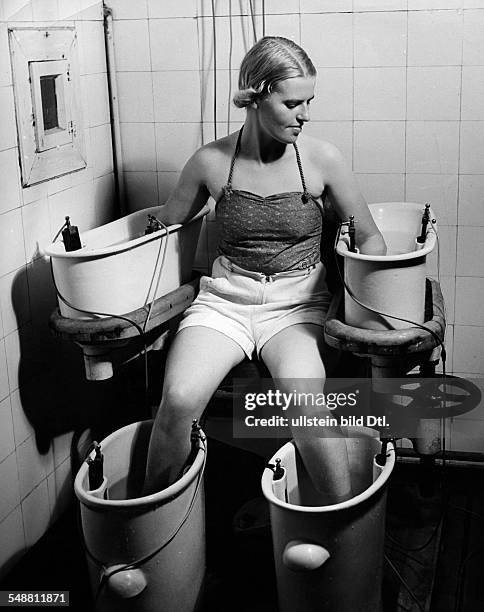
(190,194)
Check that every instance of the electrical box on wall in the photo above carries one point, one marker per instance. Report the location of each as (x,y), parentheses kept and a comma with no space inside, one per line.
(45,71)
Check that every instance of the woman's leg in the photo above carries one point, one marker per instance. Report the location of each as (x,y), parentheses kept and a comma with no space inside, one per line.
(199,359)
(294,359)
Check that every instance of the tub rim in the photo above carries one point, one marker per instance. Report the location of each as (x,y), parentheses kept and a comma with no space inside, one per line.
(379,482)
(146,501)
(428,246)
(54,249)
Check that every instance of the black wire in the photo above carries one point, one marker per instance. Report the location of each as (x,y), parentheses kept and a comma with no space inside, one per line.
(214,70)
(153,553)
(439,341)
(404,583)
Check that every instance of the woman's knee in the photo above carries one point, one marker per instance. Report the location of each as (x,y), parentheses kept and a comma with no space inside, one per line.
(180,404)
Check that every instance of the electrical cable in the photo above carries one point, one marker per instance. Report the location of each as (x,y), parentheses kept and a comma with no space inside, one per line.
(142,560)
(214,70)
(263,17)
(404,583)
(252,17)
(141,330)
(439,341)
(231,45)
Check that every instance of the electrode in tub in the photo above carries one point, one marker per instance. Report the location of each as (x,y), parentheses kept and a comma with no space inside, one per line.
(70,236)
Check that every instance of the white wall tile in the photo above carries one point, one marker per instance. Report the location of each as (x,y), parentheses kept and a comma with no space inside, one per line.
(14,300)
(380,39)
(173,44)
(45,10)
(432,147)
(8,131)
(292,6)
(379,5)
(324,6)
(339,133)
(135,97)
(32,466)
(175,144)
(141,190)
(440,190)
(435,38)
(227,85)
(138,144)
(22,428)
(471,199)
(472,4)
(382,187)
(17,10)
(101,150)
(172,8)
(473,92)
(472,147)
(469,293)
(333,99)
(417,5)
(284,25)
(97,110)
(467,436)
(35,219)
(34,193)
(62,448)
(12,539)
(232,42)
(126,9)
(379,146)
(36,513)
(447,286)
(69,9)
(445,252)
(469,349)
(433,93)
(379,94)
(328,39)
(176,96)
(5,68)
(470,252)
(91,10)
(12,251)
(10,488)
(9,169)
(134,53)
(106,208)
(7,441)
(166,184)
(4,386)
(473,44)
(92,56)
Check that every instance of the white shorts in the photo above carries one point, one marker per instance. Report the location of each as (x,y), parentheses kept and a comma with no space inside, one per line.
(250,307)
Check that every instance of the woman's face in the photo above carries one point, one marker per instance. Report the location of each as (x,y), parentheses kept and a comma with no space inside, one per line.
(283,113)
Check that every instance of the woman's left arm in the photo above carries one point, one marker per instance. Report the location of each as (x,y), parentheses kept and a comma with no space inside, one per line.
(347,200)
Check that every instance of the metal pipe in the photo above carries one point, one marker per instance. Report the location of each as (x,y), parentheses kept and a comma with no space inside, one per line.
(114,110)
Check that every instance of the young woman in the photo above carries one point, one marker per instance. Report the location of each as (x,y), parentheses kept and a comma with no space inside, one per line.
(267,292)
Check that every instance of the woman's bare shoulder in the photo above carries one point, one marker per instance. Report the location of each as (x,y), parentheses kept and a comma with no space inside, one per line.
(322,152)
(215,153)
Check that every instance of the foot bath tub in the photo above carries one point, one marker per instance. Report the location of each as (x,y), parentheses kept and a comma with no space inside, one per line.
(330,557)
(120,269)
(392,284)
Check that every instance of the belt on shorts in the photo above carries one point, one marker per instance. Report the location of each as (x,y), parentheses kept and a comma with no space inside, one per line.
(261,276)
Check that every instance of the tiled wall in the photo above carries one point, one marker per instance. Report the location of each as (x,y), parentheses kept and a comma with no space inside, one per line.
(36,420)
(400,90)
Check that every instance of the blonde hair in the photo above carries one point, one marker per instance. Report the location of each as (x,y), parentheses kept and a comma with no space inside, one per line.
(270,60)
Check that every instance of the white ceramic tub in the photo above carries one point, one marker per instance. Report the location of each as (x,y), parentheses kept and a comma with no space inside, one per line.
(118,267)
(392,284)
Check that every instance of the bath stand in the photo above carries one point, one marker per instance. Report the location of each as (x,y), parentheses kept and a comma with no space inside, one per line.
(110,340)
(393,353)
